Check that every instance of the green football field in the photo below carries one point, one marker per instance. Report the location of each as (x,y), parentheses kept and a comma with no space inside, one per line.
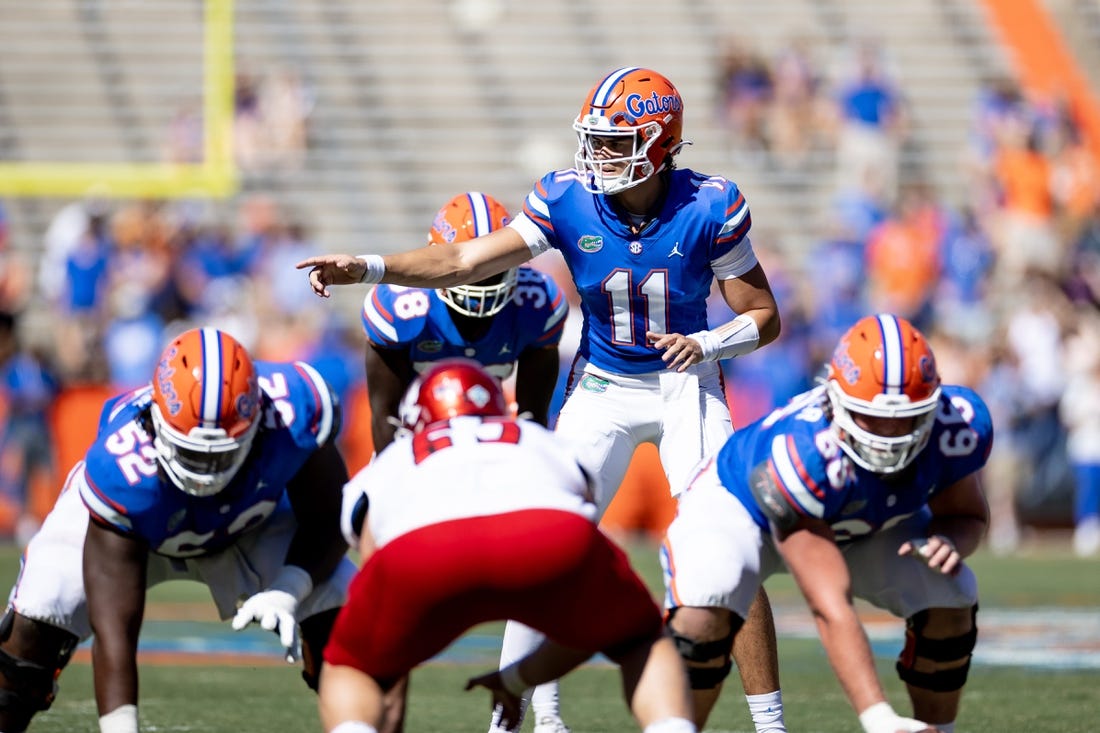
(1036,669)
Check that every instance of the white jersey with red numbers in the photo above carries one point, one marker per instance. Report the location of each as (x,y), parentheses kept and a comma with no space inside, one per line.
(468,467)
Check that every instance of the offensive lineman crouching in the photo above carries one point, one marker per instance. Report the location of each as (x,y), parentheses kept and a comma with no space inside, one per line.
(222,470)
(865,486)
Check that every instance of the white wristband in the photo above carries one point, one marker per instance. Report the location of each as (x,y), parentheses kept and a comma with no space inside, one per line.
(293,580)
(739,336)
(511,680)
(122,719)
(375,270)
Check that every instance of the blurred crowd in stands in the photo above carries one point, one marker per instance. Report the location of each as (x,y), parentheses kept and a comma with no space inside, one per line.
(1006,284)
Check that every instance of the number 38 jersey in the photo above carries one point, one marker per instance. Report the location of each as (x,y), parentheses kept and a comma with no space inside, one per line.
(122,486)
(803,458)
(396,317)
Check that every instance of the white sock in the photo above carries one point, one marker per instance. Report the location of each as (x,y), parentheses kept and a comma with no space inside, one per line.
(671,725)
(354,726)
(946,727)
(544,701)
(518,642)
(767,712)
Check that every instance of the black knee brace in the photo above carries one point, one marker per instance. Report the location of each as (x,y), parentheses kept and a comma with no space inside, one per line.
(707,678)
(315,632)
(953,649)
(28,687)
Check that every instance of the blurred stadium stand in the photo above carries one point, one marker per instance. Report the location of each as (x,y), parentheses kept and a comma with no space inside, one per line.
(416,100)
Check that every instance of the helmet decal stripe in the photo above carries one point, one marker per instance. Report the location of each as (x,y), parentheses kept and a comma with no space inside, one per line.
(893,359)
(211,377)
(479,207)
(600,98)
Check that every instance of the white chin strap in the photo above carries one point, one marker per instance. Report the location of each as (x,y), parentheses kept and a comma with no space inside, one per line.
(879,453)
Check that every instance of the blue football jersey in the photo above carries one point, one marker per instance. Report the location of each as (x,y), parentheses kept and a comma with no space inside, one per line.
(122,486)
(818,479)
(417,319)
(656,280)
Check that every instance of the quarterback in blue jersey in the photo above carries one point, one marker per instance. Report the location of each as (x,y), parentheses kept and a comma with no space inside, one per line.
(644,243)
(865,486)
(222,470)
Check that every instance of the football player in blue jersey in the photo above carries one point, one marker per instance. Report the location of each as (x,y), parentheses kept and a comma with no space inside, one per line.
(222,470)
(866,486)
(509,322)
(644,242)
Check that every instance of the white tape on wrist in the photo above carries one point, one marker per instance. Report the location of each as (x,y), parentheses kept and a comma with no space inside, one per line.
(511,680)
(293,580)
(375,270)
(739,336)
(878,718)
(122,719)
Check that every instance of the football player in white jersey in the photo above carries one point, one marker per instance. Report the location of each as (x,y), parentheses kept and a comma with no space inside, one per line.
(222,470)
(644,242)
(487,517)
(866,487)
(511,323)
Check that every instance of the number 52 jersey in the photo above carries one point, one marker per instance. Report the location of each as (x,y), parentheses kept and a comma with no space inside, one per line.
(121,483)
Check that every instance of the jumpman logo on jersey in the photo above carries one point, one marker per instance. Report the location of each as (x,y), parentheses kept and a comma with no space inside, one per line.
(505,350)
(676,250)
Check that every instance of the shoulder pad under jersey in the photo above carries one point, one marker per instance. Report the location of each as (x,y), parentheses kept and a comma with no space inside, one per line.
(394,315)
(299,401)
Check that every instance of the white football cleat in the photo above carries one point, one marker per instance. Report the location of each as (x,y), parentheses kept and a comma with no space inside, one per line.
(551,724)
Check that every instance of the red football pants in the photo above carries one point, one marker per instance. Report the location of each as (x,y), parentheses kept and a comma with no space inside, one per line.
(551,570)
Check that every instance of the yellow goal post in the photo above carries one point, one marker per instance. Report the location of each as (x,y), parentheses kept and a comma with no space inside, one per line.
(215,176)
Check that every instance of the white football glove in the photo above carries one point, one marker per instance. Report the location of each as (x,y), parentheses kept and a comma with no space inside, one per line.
(275,608)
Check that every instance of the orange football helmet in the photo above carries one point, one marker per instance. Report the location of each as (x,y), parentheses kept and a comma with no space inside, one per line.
(451,388)
(466,216)
(883,367)
(634,103)
(205,411)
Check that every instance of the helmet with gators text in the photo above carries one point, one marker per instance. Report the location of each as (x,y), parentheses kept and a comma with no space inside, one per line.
(883,368)
(205,410)
(466,216)
(643,109)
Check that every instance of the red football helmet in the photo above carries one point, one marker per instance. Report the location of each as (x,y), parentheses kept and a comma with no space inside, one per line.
(466,216)
(451,388)
(633,103)
(205,411)
(883,367)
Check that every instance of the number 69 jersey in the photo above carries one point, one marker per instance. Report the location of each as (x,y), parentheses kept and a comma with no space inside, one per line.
(800,452)
(416,318)
(122,486)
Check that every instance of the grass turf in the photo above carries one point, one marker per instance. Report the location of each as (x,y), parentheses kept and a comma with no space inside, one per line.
(237,699)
